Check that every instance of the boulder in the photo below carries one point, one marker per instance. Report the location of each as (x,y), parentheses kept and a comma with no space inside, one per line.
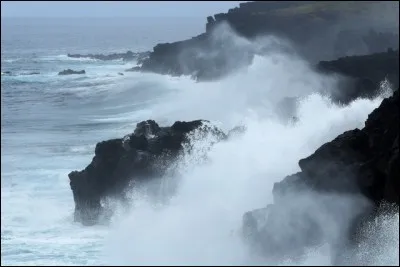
(69,72)
(121,163)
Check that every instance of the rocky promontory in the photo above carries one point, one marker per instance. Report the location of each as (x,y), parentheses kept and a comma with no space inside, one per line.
(358,76)
(120,164)
(358,164)
(362,74)
(334,29)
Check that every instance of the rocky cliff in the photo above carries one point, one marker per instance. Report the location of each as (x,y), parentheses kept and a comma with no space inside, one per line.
(363,74)
(358,164)
(319,31)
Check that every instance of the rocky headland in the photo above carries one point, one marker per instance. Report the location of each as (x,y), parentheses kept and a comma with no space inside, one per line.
(334,29)
(362,74)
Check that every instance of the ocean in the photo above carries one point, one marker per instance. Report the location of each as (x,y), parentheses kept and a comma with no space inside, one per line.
(50,125)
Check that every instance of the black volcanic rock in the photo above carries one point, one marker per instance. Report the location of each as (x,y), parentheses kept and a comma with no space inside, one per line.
(365,73)
(309,25)
(143,155)
(128,56)
(360,76)
(204,57)
(69,72)
(356,163)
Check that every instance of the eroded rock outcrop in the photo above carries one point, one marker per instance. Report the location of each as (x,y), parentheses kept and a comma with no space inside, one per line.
(364,74)
(70,72)
(145,154)
(359,168)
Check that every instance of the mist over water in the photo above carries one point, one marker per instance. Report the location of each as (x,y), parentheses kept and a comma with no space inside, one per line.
(195,216)
(201,222)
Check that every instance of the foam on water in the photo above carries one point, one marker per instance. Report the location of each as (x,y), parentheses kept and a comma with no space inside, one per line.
(66,58)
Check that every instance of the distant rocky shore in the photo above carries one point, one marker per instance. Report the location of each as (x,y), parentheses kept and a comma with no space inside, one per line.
(127,56)
(70,72)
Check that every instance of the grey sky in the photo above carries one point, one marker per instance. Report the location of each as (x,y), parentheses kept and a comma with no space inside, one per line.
(114,8)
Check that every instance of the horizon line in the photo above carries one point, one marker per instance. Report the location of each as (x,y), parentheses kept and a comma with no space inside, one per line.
(104,17)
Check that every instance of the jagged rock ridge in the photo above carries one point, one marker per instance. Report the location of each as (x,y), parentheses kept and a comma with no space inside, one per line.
(138,157)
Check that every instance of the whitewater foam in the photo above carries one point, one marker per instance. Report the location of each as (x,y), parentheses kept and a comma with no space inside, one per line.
(63,57)
(200,223)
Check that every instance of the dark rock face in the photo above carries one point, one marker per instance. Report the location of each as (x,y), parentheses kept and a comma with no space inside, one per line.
(69,72)
(204,57)
(358,163)
(361,76)
(143,155)
(364,72)
(288,20)
(128,56)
